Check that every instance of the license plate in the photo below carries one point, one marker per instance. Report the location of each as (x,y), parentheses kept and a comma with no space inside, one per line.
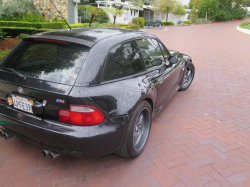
(22,104)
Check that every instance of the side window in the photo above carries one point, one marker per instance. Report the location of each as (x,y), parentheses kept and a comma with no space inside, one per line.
(165,52)
(150,51)
(123,60)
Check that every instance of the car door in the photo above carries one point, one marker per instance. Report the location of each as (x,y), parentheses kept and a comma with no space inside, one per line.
(164,75)
(171,76)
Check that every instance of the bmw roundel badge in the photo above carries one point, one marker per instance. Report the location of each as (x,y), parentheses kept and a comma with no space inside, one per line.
(20,90)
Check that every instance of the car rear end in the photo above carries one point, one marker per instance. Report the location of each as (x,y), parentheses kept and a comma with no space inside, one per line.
(35,81)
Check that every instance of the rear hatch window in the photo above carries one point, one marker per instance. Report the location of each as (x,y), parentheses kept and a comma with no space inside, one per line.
(55,62)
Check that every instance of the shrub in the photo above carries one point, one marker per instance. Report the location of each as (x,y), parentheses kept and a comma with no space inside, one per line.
(76,25)
(200,20)
(2,34)
(179,22)
(137,27)
(22,35)
(85,20)
(168,23)
(187,22)
(244,24)
(139,21)
(43,25)
(102,17)
(16,9)
(26,17)
(131,26)
(4,53)
(15,31)
(145,23)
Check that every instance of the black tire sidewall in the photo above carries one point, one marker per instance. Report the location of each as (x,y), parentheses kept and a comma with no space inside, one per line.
(131,151)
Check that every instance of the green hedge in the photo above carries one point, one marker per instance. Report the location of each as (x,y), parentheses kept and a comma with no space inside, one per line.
(187,22)
(139,21)
(15,31)
(38,25)
(168,23)
(76,25)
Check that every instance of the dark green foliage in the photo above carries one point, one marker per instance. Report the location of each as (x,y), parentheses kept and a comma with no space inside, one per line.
(200,20)
(85,20)
(19,10)
(229,14)
(28,18)
(43,25)
(2,34)
(22,35)
(221,10)
(168,23)
(13,32)
(145,23)
(102,17)
(139,21)
(187,22)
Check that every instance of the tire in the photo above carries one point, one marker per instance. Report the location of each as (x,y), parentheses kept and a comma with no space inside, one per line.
(188,77)
(133,144)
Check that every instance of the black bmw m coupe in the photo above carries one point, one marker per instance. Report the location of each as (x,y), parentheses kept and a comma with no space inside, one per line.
(90,91)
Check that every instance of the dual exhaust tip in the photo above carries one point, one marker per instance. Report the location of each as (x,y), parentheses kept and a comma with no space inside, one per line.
(51,154)
(5,135)
(45,153)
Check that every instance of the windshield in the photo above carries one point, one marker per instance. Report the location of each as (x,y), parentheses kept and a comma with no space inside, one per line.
(53,62)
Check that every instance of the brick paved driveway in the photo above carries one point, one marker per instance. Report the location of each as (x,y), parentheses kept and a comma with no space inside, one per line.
(200,139)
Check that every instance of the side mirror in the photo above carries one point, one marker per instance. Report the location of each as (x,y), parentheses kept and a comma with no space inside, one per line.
(156,62)
(173,60)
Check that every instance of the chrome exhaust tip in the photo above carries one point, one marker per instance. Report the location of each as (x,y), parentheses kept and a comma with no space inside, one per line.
(45,153)
(52,155)
(7,136)
(1,134)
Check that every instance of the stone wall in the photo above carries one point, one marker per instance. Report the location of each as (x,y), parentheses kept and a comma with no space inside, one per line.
(48,10)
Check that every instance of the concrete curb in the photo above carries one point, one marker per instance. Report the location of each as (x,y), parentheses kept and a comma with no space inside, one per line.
(246,31)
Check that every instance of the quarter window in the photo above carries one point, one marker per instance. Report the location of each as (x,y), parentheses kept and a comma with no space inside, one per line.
(123,60)
(150,51)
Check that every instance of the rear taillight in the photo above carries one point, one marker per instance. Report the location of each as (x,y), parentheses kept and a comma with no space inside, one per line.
(81,115)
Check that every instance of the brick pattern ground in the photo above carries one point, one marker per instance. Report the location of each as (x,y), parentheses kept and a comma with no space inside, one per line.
(201,138)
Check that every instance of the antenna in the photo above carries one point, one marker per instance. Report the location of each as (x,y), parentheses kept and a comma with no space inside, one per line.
(61,15)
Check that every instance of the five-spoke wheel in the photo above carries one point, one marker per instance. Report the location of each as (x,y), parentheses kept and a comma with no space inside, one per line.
(188,77)
(138,131)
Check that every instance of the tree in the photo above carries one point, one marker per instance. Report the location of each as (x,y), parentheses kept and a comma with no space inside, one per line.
(115,13)
(193,13)
(164,6)
(208,8)
(180,9)
(91,10)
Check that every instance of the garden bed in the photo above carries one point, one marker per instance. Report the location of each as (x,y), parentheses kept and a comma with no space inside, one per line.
(9,43)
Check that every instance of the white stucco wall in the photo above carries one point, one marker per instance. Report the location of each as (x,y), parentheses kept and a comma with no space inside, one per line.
(172,17)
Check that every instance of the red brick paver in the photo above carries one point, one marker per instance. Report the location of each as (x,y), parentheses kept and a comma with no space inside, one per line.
(201,138)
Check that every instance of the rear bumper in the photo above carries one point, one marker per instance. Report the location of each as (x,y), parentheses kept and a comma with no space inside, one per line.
(84,141)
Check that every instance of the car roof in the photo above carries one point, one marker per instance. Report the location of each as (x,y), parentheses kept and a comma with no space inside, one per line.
(87,35)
